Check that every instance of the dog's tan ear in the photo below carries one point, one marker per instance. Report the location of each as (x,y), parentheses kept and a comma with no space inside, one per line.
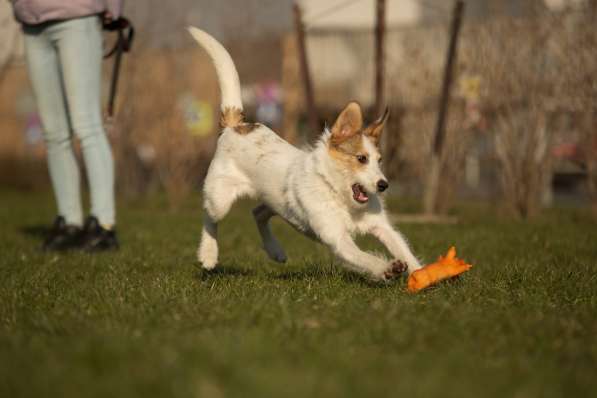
(349,122)
(375,129)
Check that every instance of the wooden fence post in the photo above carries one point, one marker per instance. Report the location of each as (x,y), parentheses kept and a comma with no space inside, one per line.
(305,73)
(380,33)
(380,30)
(431,189)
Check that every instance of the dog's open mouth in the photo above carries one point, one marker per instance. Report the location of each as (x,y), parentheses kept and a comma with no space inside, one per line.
(359,194)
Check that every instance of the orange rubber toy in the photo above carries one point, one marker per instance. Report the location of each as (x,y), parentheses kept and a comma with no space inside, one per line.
(445,267)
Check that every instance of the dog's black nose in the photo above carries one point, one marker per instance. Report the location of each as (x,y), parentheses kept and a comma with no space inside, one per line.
(382,185)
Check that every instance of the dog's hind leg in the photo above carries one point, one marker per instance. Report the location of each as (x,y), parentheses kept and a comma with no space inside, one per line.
(220,192)
(262,215)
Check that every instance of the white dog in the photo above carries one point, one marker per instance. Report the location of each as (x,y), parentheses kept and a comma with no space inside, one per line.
(330,193)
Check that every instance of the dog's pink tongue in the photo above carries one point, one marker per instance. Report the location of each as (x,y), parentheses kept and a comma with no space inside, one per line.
(358,194)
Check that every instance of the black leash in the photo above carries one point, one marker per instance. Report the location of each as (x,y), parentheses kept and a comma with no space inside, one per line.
(126,33)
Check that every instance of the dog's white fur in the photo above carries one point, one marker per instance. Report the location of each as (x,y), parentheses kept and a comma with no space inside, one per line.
(307,188)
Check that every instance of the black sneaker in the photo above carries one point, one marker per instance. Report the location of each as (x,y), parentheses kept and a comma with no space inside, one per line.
(63,237)
(98,239)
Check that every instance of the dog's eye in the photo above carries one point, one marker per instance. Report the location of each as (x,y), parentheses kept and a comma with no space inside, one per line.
(362,158)
(379,161)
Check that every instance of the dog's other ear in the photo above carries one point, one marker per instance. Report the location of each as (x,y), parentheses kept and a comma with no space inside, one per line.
(375,129)
(349,122)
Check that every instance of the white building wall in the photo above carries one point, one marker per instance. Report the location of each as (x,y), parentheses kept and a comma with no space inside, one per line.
(358,14)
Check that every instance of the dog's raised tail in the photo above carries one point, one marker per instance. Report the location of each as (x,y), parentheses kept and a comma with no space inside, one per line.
(231,105)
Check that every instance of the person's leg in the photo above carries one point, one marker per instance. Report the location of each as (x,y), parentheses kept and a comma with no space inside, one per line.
(79,44)
(44,74)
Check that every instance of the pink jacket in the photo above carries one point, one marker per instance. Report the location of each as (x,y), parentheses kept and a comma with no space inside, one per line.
(33,12)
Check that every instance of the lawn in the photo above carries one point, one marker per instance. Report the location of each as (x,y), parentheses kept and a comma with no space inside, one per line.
(147,321)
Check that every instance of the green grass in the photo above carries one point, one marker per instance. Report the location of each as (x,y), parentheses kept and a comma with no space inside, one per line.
(146,321)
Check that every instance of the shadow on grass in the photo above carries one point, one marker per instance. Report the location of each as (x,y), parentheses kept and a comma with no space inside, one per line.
(223,271)
(365,282)
(303,274)
(35,231)
(312,273)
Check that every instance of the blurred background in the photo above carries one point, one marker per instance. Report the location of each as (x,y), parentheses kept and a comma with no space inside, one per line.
(520,131)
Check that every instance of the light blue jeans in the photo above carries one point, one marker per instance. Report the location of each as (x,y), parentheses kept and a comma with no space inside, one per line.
(64,61)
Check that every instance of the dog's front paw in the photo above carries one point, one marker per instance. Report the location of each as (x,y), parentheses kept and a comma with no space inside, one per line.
(396,268)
